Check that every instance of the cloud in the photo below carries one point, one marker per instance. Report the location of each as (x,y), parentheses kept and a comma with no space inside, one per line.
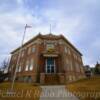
(75,19)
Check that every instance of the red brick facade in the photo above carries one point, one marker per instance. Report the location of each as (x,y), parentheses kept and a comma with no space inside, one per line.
(48,59)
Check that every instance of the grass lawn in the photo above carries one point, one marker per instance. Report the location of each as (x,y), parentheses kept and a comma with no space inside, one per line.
(86,89)
(23,91)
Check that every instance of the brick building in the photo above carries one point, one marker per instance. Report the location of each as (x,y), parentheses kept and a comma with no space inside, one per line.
(47,59)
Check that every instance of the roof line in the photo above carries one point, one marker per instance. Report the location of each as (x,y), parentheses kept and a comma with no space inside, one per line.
(27,42)
(71,44)
(39,35)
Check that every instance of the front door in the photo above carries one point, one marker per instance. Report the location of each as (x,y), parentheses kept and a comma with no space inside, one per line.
(50,65)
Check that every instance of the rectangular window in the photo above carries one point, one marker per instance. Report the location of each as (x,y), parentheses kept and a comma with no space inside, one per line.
(33,49)
(70,78)
(50,65)
(22,53)
(67,64)
(31,64)
(29,50)
(77,67)
(27,65)
(81,68)
(71,66)
(19,69)
(69,51)
(66,50)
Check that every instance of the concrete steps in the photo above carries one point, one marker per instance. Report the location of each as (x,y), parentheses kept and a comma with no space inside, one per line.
(51,79)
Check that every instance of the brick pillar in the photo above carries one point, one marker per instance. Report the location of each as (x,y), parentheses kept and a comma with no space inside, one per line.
(42,78)
(34,77)
(61,78)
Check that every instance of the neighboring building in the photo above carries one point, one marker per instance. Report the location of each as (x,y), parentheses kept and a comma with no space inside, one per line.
(48,59)
(88,71)
(97,69)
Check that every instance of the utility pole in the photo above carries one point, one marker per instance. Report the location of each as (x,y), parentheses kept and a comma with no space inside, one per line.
(19,56)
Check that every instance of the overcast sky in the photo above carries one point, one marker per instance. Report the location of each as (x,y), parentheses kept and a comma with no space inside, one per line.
(77,20)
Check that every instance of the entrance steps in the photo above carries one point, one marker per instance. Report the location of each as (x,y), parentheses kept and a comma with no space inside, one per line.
(51,79)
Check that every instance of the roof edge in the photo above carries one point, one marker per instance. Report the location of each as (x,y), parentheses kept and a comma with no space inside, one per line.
(71,44)
(38,35)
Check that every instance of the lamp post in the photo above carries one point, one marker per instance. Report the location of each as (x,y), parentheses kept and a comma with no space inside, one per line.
(19,56)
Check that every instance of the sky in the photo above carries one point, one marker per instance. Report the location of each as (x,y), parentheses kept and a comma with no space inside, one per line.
(77,20)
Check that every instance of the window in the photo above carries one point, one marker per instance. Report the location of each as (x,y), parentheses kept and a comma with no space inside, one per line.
(19,69)
(67,64)
(28,79)
(79,58)
(27,65)
(22,53)
(66,50)
(33,49)
(50,65)
(81,68)
(29,50)
(70,78)
(77,67)
(69,51)
(20,79)
(71,66)
(75,56)
(31,64)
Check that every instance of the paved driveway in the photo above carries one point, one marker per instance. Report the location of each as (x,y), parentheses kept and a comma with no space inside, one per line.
(56,93)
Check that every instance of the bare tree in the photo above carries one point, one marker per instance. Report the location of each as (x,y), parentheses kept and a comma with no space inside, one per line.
(4,75)
(5,65)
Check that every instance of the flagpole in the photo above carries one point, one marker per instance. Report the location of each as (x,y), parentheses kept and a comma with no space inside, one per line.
(19,56)
(50,28)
